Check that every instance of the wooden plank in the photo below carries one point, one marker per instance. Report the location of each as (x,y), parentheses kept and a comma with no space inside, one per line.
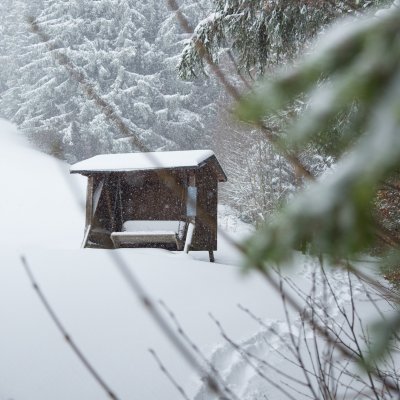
(86,236)
(96,196)
(189,237)
(191,201)
(89,203)
(192,178)
(132,238)
(107,192)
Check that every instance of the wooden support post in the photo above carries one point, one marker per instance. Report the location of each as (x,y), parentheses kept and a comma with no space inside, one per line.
(86,236)
(192,179)
(89,210)
(191,197)
(191,208)
(189,236)
(211,255)
(89,202)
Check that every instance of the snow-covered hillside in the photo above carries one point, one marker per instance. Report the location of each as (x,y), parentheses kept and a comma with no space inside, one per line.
(38,206)
(42,219)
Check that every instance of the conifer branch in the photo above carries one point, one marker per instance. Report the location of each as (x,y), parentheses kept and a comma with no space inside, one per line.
(299,168)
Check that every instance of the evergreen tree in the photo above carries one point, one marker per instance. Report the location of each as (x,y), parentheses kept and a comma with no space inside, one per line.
(12,32)
(126,50)
(261,33)
(363,66)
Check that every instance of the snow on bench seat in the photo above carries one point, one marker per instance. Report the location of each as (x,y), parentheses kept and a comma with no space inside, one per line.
(150,226)
(149,232)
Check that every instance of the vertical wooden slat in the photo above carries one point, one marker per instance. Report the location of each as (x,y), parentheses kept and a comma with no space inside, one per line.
(192,179)
(89,202)
(89,207)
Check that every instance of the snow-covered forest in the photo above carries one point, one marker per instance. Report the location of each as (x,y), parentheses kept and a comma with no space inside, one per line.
(298,104)
(128,50)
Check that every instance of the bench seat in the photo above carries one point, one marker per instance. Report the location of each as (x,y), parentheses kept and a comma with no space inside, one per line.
(136,233)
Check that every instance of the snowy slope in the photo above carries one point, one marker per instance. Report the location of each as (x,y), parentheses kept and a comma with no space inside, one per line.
(41,218)
(109,323)
(37,206)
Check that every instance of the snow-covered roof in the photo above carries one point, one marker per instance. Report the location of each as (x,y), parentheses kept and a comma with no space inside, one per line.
(125,162)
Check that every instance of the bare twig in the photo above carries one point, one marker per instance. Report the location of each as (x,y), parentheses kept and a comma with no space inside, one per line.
(322,331)
(164,370)
(196,349)
(85,362)
(294,344)
(238,71)
(147,302)
(248,360)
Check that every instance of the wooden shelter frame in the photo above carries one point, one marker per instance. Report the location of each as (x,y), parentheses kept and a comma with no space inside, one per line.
(110,194)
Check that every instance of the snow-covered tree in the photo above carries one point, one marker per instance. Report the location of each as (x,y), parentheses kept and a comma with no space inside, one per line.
(261,33)
(260,178)
(126,50)
(12,33)
(263,36)
(258,184)
(362,61)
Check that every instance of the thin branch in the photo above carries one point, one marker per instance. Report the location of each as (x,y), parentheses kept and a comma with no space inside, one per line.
(292,350)
(300,169)
(185,25)
(138,291)
(295,346)
(238,71)
(164,370)
(344,350)
(248,361)
(196,349)
(85,362)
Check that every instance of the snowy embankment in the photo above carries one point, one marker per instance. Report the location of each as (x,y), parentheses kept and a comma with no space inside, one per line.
(38,198)
(42,219)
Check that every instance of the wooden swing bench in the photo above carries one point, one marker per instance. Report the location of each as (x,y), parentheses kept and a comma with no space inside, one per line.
(152,200)
(152,233)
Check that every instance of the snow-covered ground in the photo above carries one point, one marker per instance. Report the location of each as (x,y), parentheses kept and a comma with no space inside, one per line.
(42,218)
(38,206)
